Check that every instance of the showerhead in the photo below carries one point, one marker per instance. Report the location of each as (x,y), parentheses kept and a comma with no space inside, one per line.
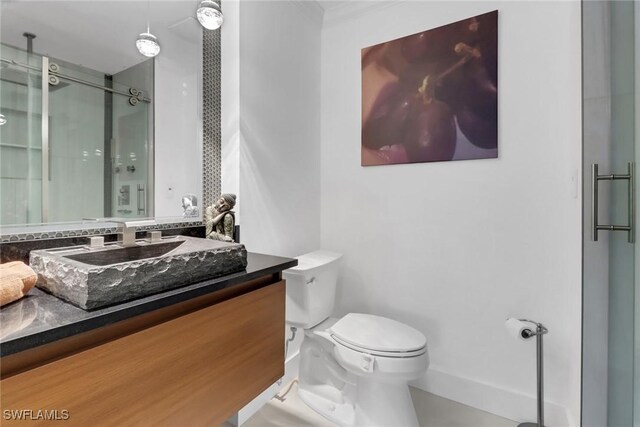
(30,37)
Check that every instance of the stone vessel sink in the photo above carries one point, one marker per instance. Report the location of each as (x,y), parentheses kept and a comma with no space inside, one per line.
(119,255)
(95,277)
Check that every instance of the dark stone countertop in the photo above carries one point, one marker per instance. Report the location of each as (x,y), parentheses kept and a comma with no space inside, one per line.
(40,318)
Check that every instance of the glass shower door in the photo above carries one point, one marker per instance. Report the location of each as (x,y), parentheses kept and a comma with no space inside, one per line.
(622,307)
(130,153)
(611,293)
(20,137)
(76,143)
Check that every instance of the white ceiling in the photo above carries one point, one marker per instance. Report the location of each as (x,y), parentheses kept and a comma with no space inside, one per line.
(330,4)
(339,10)
(97,34)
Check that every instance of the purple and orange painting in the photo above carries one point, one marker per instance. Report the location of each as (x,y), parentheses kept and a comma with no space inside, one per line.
(432,96)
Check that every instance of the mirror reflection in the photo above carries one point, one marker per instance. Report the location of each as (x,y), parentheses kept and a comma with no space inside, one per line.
(92,124)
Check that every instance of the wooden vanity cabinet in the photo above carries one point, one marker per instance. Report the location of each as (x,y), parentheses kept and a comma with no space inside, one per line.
(193,364)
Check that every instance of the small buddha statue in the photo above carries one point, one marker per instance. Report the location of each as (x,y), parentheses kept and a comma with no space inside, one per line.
(220,220)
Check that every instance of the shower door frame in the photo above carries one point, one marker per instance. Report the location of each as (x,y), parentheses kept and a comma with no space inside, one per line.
(44,195)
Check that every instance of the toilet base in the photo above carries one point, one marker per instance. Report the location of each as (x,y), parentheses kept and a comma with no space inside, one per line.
(377,404)
(342,414)
(384,403)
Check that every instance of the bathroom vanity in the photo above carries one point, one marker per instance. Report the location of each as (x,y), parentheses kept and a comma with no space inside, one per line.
(189,356)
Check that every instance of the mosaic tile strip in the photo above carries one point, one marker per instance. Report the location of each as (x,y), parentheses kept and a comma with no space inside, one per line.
(88,232)
(211,147)
(211,117)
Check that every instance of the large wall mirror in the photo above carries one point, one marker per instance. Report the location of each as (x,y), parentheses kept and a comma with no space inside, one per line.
(91,128)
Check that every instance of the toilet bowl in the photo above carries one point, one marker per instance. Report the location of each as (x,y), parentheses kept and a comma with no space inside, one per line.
(354,370)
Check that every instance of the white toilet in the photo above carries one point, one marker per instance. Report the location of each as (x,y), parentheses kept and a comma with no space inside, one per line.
(354,370)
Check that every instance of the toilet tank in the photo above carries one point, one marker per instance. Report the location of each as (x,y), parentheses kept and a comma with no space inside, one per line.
(311,288)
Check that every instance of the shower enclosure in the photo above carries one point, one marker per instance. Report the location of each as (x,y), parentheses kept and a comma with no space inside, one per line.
(611,267)
(74,142)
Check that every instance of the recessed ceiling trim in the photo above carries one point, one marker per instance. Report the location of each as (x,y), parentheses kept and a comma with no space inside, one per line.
(311,9)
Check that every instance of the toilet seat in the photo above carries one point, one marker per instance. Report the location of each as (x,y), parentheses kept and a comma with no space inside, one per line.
(376,335)
(395,354)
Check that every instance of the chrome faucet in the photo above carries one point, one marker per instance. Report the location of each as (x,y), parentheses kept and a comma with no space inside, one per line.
(127,229)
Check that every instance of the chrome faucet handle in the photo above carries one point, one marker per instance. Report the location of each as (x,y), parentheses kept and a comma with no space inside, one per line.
(154,236)
(96,242)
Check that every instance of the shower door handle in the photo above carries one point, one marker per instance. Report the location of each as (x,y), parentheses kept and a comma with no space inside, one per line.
(141,200)
(630,178)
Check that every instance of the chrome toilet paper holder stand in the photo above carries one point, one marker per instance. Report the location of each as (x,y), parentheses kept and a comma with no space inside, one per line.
(526,334)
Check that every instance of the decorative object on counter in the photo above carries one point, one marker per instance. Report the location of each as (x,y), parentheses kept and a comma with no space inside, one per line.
(220,219)
(190,206)
(99,277)
(432,96)
(16,279)
(524,329)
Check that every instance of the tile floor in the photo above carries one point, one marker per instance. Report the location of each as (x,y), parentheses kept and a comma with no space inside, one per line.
(432,410)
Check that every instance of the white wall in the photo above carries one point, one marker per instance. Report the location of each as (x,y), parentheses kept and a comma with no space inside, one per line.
(279,154)
(230,92)
(271,131)
(455,248)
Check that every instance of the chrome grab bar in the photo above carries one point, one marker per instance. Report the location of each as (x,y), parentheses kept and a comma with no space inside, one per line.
(631,209)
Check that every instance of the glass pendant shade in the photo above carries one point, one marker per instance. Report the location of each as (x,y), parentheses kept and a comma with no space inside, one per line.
(3,120)
(210,15)
(147,45)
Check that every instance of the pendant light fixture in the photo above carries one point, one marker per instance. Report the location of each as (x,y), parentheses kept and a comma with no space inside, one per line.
(147,43)
(209,14)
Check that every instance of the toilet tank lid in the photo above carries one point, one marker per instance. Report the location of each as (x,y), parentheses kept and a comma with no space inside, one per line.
(368,331)
(314,259)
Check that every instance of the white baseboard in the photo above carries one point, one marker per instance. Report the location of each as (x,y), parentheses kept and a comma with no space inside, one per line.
(509,404)
(290,372)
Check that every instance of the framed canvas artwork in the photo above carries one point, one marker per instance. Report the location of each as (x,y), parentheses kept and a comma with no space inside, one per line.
(432,96)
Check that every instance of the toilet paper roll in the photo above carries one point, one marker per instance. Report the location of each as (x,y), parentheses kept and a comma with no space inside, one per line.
(517,327)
